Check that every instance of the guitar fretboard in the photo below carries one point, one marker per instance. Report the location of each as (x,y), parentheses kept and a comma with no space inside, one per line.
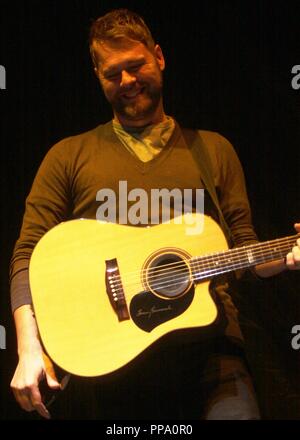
(208,266)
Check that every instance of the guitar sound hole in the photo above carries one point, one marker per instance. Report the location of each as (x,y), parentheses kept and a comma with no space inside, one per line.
(168,275)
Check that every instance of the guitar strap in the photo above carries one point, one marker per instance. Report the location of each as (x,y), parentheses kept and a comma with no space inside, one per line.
(201,156)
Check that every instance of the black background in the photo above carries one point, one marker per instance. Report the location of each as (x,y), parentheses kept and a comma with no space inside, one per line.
(228,70)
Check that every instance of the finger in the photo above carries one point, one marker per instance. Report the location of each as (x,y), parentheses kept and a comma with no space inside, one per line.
(36,401)
(296,255)
(293,259)
(289,260)
(52,382)
(42,410)
(297,227)
(22,397)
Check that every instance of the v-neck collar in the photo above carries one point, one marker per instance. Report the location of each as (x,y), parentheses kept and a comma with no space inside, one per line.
(143,167)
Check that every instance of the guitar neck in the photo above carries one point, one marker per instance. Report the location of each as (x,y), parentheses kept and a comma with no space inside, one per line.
(211,265)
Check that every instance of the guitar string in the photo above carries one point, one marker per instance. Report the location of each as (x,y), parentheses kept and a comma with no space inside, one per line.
(129,296)
(168,284)
(204,259)
(202,275)
(255,250)
(165,285)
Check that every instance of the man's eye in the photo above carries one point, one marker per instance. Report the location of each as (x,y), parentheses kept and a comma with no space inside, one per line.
(115,76)
(112,76)
(135,68)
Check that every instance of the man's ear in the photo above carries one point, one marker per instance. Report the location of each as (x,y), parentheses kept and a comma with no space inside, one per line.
(159,57)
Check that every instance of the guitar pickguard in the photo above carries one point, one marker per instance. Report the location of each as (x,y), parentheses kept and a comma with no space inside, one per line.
(149,311)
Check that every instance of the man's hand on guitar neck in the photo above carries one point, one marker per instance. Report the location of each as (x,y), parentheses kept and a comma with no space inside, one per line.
(290,262)
(33,366)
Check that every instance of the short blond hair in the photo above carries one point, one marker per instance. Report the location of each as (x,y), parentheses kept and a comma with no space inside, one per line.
(119,23)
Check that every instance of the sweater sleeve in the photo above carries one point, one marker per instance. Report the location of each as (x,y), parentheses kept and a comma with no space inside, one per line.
(231,188)
(47,204)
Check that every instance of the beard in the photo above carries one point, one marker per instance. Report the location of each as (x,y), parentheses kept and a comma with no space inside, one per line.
(143,106)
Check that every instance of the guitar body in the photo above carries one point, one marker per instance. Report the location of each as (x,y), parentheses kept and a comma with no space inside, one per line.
(78,325)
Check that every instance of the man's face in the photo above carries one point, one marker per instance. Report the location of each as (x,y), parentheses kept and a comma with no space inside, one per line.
(131,78)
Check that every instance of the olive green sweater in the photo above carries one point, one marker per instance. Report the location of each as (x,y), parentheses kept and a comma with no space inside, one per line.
(76,168)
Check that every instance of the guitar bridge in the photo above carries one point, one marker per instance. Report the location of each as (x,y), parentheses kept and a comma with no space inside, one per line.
(114,289)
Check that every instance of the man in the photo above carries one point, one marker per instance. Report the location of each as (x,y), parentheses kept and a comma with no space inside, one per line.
(146,148)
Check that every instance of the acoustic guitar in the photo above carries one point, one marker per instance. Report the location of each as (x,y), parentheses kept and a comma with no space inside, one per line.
(103,292)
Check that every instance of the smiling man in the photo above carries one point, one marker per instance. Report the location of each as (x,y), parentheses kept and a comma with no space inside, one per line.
(129,70)
(146,149)
(131,78)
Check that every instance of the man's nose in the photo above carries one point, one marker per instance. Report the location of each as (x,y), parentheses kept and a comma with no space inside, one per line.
(127,78)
